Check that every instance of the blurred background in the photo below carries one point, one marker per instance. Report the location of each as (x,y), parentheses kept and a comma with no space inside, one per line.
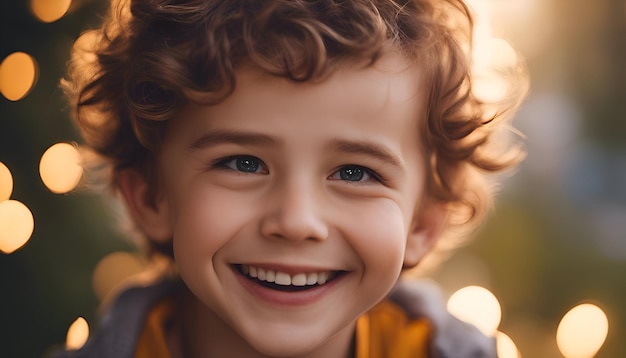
(550,261)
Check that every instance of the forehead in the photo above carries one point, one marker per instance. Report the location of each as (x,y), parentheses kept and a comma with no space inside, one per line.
(391,81)
(354,97)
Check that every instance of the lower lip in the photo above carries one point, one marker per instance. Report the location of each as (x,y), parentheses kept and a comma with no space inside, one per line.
(286,299)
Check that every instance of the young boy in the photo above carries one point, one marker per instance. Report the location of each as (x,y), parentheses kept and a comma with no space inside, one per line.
(291,158)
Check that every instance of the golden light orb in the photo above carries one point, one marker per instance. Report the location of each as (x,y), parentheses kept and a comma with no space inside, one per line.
(77,334)
(113,269)
(6,183)
(502,54)
(60,168)
(478,306)
(49,10)
(17,225)
(18,74)
(505,346)
(582,331)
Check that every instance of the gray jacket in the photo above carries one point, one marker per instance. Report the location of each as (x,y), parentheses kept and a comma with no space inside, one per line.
(122,324)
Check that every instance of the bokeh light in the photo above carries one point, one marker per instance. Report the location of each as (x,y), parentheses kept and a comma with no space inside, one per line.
(582,331)
(77,334)
(478,306)
(502,53)
(113,269)
(18,75)
(490,87)
(60,168)
(492,57)
(49,10)
(17,225)
(495,59)
(6,183)
(505,346)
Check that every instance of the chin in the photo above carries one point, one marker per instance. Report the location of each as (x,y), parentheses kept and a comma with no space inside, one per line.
(285,345)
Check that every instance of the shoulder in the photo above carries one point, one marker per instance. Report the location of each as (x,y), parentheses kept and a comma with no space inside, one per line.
(121,325)
(451,338)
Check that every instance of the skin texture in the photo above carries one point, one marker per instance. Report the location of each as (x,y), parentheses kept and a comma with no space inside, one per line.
(296,207)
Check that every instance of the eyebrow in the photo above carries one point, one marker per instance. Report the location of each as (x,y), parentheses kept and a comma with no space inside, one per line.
(368,148)
(221,136)
(365,147)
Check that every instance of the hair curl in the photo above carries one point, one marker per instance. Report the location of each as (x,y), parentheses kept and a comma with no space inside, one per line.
(151,57)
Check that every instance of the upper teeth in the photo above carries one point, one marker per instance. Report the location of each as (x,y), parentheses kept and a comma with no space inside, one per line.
(285,279)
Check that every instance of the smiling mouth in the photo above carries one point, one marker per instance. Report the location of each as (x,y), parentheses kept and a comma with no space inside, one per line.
(282,281)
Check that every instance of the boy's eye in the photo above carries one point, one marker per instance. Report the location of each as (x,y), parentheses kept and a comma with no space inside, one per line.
(353,173)
(244,163)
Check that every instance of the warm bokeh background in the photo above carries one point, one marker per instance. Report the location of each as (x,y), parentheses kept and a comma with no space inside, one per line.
(557,238)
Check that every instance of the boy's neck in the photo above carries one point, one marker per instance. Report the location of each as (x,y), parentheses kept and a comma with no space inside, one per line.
(203,334)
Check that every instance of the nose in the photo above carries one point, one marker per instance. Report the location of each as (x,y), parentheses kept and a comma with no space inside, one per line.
(294,211)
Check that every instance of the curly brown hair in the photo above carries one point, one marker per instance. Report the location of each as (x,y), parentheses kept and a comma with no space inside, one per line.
(151,57)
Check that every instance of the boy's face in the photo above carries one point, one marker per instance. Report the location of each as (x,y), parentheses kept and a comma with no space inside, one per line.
(317,185)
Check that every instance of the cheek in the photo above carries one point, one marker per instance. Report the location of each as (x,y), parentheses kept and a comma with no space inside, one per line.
(377,233)
(205,219)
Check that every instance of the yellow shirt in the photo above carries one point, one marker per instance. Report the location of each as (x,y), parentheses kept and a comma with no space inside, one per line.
(384,331)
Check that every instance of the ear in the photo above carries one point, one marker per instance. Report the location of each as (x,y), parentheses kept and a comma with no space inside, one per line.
(150,214)
(426,228)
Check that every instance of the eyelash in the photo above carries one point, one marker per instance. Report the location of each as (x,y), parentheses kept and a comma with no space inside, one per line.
(222,163)
(367,171)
